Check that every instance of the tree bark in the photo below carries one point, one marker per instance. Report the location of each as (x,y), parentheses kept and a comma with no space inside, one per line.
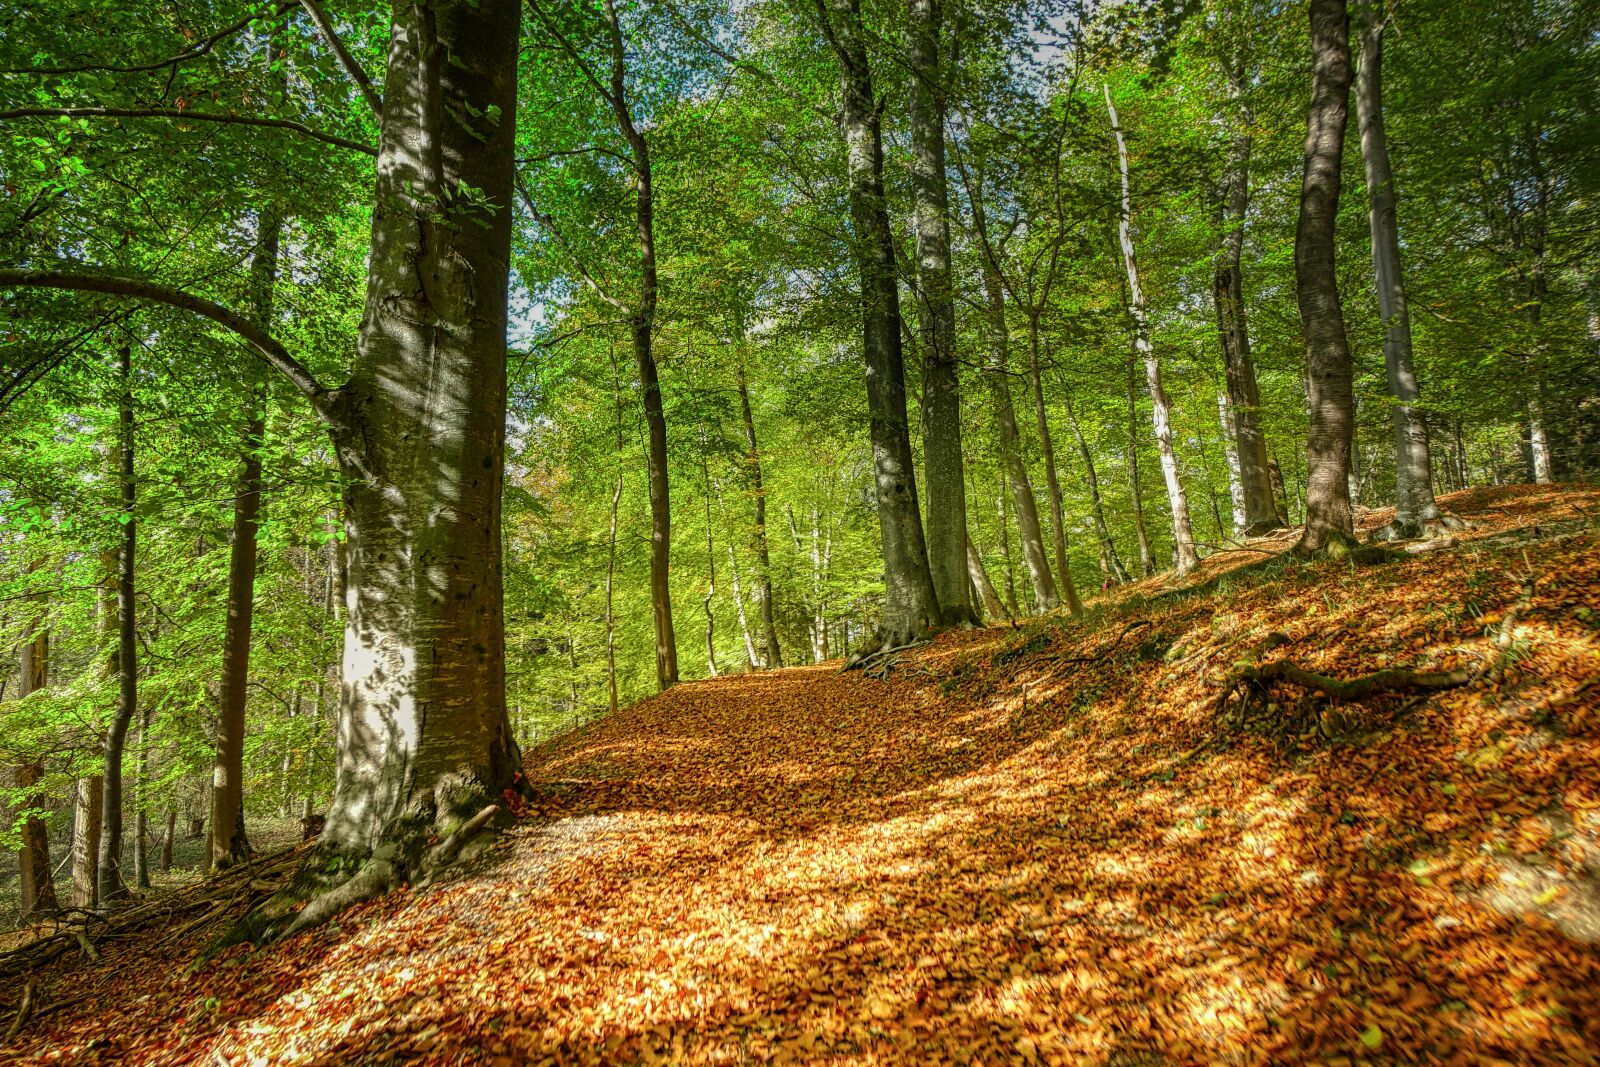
(1415,506)
(1005,548)
(992,606)
(1047,452)
(141,816)
(1160,405)
(1249,444)
(941,398)
(87,801)
(773,655)
(1332,401)
(1147,558)
(111,886)
(1230,453)
(229,843)
(168,836)
(37,886)
(911,607)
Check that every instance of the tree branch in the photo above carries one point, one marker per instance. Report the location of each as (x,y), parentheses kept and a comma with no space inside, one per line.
(194,51)
(179,115)
(270,349)
(548,223)
(351,67)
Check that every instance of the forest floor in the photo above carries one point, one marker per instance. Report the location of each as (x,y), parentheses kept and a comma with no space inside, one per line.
(1032,844)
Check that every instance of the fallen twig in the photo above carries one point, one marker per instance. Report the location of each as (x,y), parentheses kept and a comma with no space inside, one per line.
(24,1009)
(1112,647)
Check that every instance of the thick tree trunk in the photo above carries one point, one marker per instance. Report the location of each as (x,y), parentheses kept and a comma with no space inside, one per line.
(773,655)
(1147,557)
(1160,405)
(424,739)
(1249,444)
(1332,400)
(998,371)
(911,607)
(229,844)
(941,398)
(111,886)
(1414,503)
(1047,452)
(87,800)
(1110,562)
(37,886)
(992,607)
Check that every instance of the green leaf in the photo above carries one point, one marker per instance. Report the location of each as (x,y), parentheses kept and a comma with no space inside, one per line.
(1372,1037)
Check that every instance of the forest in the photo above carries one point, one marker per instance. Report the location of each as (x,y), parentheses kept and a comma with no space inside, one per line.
(459,453)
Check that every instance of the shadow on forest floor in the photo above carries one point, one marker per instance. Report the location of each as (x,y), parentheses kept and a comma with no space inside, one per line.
(999,855)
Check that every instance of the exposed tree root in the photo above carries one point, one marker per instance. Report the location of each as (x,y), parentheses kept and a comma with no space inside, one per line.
(1112,647)
(1436,527)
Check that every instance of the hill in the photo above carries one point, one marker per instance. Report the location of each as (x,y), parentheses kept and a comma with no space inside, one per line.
(1058,842)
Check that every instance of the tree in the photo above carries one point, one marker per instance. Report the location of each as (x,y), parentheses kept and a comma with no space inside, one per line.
(1328,372)
(36,885)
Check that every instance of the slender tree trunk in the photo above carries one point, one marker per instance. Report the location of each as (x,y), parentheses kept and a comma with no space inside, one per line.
(1005,550)
(87,805)
(1147,558)
(611,581)
(751,658)
(141,817)
(992,607)
(37,886)
(1414,503)
(1329,516)
(769,626)
(711,562)
(911,607)
(1230,452)
(941,398)
(1110,561)
(998,371)
(1249,444)
(1160,406)
(111,885)
(168,835)
(1047,452)
(229,844)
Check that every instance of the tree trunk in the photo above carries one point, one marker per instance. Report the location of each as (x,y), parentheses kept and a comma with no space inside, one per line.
(1331,392)
(711,560)
(228,843)
(1230,453)
(87,805)
(111,886)
(1005,549)
(424,737)
(1047,452)
(37,886)
(168,835)
(1111,565)
(1249,444)
(941,398)
(992,606)
(141,817)
(1160,406)
(911,607)
(1414,503)
(1147,558)
(751,658)
(769,625)
(998,371)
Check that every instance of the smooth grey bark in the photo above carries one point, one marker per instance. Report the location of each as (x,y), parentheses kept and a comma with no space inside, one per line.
(110,885)
(911,606)
(943,474)
(141,816)
(1005,548)
(990,597)
(36,883)
(772,655)
(1160,405)
(1230,453)
(1415,506)
(1248,442)
(1047,453)
(1329,517)
(228,841)
(1110,561)
(86,812)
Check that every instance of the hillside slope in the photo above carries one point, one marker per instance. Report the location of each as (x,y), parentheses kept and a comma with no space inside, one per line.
(1022,844)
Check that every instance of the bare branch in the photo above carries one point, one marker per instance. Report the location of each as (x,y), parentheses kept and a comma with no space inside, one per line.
(180,115)
(351,67)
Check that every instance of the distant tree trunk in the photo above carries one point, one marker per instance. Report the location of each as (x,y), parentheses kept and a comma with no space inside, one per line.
(941,398)
(1012,608)
(1415,506)
(751,658)
(998,371)
(1160,406)
(1329,440)
(141,818)
(992,607)
(111,885)
(1047,452)
(1110,562)
(911,607)
(229,844)
(168,835)
(1230,452)
(1249,444)
(1147,558)
(773,656)
(711,561)
(87,806)
(37,886)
